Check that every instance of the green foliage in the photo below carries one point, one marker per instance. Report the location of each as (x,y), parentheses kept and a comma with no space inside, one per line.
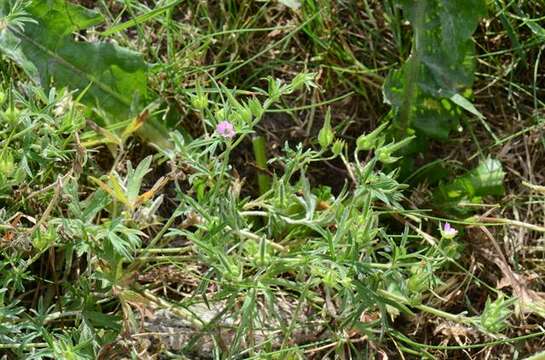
(485,180)
(440,66)
(312,247)
(108,77)
(495,314)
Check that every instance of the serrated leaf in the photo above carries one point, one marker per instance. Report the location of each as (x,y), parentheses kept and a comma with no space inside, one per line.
(119,245)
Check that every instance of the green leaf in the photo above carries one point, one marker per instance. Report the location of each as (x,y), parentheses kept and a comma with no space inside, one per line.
(466,105)
(495,314)
(64,18)
(433,117)
(442,31)
(123,240)
(94,204)
(536,28)
(485,180)
(113,79)
(441,64)
(134,179)
(48,53)
(101,320)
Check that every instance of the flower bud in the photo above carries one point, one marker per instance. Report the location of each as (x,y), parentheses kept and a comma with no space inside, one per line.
(12,114)
(338,147)
(200,100)
(303,79)
(326,135)
(7,163)
(384,154)
(369,141)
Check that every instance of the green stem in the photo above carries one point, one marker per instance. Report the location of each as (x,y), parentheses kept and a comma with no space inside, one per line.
(23,346)
(401,300)
(260,153)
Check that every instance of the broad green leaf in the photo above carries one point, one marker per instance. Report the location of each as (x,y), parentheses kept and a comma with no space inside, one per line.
(485,180)
(99,319)
(441,64)
(442,31)
(63,18)
(433,117)
(49,54)
(114,78)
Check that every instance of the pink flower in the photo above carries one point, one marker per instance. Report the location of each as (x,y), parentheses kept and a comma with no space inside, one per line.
(448,232)
(226,129)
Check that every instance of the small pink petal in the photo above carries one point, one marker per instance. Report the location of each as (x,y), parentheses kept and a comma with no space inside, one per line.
(449,231)
(226,129)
